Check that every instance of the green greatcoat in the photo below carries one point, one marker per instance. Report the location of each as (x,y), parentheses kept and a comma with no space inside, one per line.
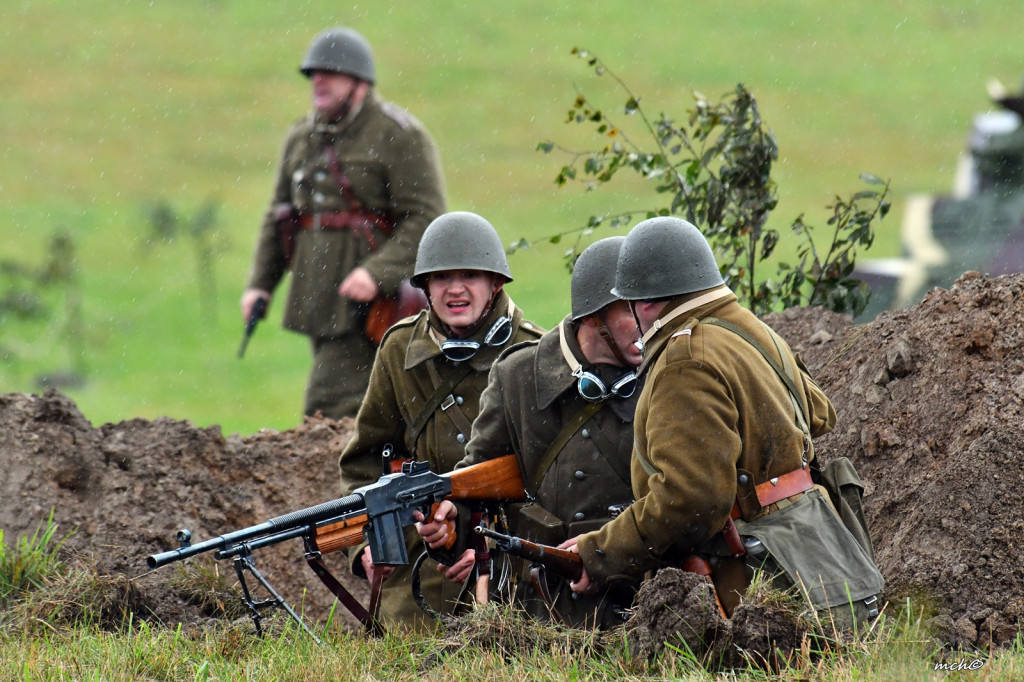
(393,167)
(530,399)
(711,409)
(400,382)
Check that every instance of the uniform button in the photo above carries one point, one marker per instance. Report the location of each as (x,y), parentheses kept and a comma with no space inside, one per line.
(320,175)
(744,479)
(461,438)
(318,198)
(578,516)
(580,475)
(459,399)
(585,433)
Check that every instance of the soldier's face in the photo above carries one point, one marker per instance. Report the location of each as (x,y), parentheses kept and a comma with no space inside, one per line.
(330,91)
(619,319)
(461,297)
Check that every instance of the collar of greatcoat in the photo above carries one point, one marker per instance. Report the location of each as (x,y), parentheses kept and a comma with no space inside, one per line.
(672,318)
(554,371)
(554,375)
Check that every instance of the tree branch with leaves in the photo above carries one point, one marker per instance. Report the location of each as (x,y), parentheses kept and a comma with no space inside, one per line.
(714,170)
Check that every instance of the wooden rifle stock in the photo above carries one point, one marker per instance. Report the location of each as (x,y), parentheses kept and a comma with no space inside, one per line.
(561,561)
(496,479)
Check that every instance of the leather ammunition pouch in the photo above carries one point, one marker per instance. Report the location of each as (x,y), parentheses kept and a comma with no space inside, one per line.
(384,311)
(537,524)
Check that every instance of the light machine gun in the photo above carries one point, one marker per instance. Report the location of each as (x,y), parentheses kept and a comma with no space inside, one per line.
(377,512)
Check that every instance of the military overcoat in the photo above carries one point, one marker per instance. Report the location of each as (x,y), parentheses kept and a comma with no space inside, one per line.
(393,168)
(711,409)
(401,382)
(530,399)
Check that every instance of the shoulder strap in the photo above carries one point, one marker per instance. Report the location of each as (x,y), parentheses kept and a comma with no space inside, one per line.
(571,427)
(442,390)
(785,372)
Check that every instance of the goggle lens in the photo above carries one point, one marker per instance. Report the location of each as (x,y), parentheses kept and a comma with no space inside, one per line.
(592,389)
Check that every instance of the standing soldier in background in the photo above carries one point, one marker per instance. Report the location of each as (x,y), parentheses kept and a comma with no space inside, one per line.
(425,391)
(359,180)
(565,406)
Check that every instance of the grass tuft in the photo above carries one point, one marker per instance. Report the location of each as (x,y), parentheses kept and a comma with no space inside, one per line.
(29,560)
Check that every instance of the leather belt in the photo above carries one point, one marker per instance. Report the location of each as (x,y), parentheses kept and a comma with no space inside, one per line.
(779,488)
(360,222)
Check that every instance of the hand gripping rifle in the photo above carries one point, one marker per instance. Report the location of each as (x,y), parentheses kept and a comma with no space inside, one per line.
(377,512)
(542,557)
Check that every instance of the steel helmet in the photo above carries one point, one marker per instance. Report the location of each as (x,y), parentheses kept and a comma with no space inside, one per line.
(341,50)
(593,277)
(460,240)
(663,257)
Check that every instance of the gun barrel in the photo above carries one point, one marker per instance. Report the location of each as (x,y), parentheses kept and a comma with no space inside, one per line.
(293,520)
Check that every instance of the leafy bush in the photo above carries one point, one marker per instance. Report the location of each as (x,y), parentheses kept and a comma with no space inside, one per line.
(715,171)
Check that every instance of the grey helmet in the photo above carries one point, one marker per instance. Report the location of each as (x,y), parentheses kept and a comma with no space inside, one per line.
(664,257)
(460,240)
(341,50)
(593,277)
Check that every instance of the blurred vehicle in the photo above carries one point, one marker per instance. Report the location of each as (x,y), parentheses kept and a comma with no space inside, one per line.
(979,226)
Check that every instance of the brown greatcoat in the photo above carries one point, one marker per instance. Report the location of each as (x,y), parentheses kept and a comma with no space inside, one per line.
(400,383)
(711,409)
(530,398)
(394,169)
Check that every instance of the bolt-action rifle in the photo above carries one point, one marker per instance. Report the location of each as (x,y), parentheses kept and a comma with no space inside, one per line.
(542,558)
(377,512)
(561,561)
(257,313)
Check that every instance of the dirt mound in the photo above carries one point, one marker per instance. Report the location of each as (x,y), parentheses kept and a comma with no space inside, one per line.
(929,402)
(127,488)
(930,410)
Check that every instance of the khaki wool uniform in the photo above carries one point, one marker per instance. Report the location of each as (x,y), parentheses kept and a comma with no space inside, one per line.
(403,380)
(712,409)
(394,169)
(531,397)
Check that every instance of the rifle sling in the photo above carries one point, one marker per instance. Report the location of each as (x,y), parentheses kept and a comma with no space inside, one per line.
(539,578)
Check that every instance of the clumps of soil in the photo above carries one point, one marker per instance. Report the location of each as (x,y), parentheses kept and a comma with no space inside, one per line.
(929,403)
(679,609)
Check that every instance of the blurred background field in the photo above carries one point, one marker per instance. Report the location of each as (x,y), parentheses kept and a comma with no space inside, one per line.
(114,112)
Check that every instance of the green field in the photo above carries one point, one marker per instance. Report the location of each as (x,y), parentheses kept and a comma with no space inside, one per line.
(112,107)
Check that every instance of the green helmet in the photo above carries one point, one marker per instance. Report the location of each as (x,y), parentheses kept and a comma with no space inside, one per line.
(664,257)
(460,240)
(593,277)
(342,50)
